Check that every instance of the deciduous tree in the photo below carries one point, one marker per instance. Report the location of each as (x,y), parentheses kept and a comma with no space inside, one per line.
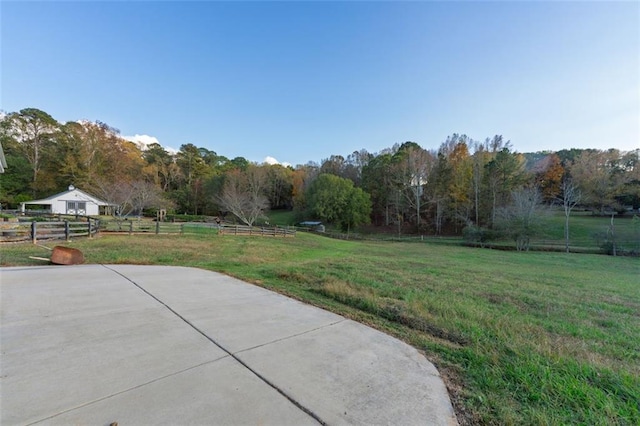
(16,179)
(460,188)
(334,165)
(570,197)
(377,181)
(480,159)
(522,218)
(243,194)
(548,176)
(194,170)
(438,190)
(145,195)
(335,200)
(355,164)
(33,129)
(411,167)
(279,186)
(505,172)
(161,167)
(594,172)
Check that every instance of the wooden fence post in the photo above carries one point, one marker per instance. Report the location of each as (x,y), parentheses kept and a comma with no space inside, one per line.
(89,227)
(34,230)
(131,228)
(66,230)
(157,226)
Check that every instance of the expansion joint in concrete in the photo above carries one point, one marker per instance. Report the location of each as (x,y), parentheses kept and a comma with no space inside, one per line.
(157,379)
(291,336)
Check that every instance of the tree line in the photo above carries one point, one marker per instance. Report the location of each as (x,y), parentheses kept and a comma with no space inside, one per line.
(463,184)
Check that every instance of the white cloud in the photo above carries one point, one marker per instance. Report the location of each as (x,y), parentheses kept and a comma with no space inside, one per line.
(143,142)
(272,161)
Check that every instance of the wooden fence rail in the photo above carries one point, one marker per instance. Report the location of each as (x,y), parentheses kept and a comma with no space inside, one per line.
(143,227)
(257,231)
(34,231)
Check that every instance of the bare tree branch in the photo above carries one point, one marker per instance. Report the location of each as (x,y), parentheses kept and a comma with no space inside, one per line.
(242,194)
(569,198)
(521,219)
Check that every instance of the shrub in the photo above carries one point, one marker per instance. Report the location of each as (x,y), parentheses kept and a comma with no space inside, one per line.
(479,235)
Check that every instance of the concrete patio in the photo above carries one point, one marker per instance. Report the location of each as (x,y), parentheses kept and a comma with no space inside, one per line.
(150,345)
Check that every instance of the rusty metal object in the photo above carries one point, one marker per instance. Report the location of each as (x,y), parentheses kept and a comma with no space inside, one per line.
(66,256)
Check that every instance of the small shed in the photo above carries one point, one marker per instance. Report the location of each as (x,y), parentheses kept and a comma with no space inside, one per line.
(73,201)
(314,225)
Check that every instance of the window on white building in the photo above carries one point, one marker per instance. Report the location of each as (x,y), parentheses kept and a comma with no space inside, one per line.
(77,207)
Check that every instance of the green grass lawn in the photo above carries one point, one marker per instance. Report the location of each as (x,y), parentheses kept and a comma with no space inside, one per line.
(587,233)
(520,338)
(584,227)
(282,217)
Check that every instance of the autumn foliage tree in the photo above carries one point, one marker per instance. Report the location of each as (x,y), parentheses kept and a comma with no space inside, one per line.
(460,185)
(597,176)
(549,175)
(465,183)
(34,131)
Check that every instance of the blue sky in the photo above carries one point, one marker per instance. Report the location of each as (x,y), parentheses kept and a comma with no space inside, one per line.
(300,81)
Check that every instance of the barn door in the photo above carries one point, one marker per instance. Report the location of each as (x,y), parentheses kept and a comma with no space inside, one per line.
(77,207)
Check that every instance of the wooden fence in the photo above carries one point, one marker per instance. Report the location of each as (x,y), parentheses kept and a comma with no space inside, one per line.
(41,230)
(144,227)
(257,231)
(132,227)
(34,231)
(141,227)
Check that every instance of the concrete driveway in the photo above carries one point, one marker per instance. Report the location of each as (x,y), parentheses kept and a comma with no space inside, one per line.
(151,345)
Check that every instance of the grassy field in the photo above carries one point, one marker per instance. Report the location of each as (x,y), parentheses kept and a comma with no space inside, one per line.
(520,338)
(282,217)
(585,230)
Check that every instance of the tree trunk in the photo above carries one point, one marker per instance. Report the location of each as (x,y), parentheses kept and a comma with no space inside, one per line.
(613,237)
(566,229)
(439,210)
(476,190)
(418,206)
(493,209)
(386,214)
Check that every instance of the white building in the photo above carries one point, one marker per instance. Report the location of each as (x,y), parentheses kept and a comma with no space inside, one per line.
(72,201)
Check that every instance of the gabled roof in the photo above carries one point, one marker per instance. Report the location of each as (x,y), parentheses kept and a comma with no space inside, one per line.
(69,195)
